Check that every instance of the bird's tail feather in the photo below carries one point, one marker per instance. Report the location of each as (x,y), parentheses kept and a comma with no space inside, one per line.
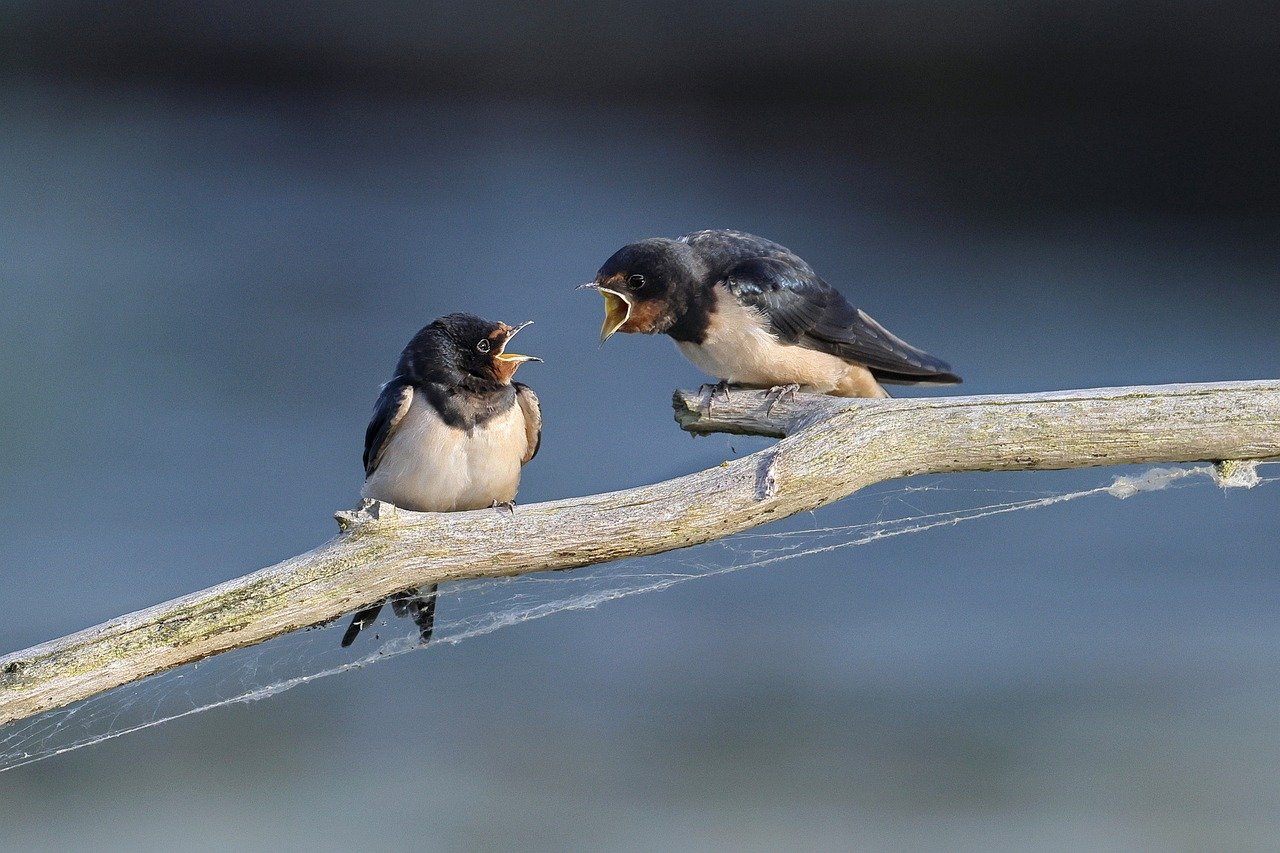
(418,605)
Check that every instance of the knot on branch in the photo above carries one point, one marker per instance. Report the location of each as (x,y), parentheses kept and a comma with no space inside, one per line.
(753,412)
(368,512)
(767,478)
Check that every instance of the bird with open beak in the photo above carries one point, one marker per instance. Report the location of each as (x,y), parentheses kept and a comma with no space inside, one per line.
(449,432)
(752,313)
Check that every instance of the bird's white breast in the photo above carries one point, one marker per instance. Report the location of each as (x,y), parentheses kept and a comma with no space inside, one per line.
(429,466)
(740,349)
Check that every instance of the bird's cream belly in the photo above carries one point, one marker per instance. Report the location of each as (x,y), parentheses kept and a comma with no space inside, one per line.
(429,466)
(767,364)
(740,349)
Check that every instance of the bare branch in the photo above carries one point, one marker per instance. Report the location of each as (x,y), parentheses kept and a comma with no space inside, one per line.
(835,448)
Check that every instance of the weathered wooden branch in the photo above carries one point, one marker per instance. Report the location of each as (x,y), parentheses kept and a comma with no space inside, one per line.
(834,448)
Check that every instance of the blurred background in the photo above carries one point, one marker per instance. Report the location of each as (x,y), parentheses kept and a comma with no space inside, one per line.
(222,221)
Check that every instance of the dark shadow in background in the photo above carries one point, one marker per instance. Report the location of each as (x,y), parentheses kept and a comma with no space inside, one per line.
(1011,108)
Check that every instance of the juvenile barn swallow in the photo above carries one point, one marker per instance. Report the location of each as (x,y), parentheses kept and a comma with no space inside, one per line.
(750,312)
(449,432)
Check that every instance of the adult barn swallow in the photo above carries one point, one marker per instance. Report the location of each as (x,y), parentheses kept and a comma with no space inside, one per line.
(750,312)
(449,432)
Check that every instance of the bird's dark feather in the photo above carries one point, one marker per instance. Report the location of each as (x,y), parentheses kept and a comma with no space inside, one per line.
(388,411)
(804,310)
(532,412)
(722,249)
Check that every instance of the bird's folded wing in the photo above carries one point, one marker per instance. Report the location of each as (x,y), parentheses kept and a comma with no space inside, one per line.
(388,413)
(803,309)
(532,420)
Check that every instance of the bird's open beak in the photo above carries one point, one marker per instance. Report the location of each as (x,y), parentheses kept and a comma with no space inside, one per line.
(617,309)
(503,355)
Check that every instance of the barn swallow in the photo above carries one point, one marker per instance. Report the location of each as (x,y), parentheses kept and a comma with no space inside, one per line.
(449,432)
(750,312)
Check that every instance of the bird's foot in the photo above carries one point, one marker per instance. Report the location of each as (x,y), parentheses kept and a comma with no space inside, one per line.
(509,507)
(778,393)
(708,391)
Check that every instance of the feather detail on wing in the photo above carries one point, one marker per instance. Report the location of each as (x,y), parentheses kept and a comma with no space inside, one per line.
(532,420)
(804,310)
(388,413)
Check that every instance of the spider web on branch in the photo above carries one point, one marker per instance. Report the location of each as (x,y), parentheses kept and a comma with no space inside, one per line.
(473,608)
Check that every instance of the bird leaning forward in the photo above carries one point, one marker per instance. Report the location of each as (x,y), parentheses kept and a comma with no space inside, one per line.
(752,313)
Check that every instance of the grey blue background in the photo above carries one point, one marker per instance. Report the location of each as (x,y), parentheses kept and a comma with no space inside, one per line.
(221,222)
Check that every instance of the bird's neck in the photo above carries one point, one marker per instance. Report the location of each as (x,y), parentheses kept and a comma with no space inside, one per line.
(692,311)
(470,402)
(483,386)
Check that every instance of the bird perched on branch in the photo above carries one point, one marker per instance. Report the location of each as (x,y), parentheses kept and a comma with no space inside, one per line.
(449,432)
(750,312)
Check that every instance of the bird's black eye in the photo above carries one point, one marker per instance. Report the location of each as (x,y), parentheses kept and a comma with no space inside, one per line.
(635,282)
(484,345)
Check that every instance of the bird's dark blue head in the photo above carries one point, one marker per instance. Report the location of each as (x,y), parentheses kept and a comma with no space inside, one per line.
(646,286)
(460,346)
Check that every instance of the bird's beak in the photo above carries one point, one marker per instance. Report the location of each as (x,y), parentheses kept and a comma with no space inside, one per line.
(617,309)
(503,355)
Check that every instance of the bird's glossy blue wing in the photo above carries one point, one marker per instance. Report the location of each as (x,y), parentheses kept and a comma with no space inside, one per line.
(393,403)
(532,412)
(803,309)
